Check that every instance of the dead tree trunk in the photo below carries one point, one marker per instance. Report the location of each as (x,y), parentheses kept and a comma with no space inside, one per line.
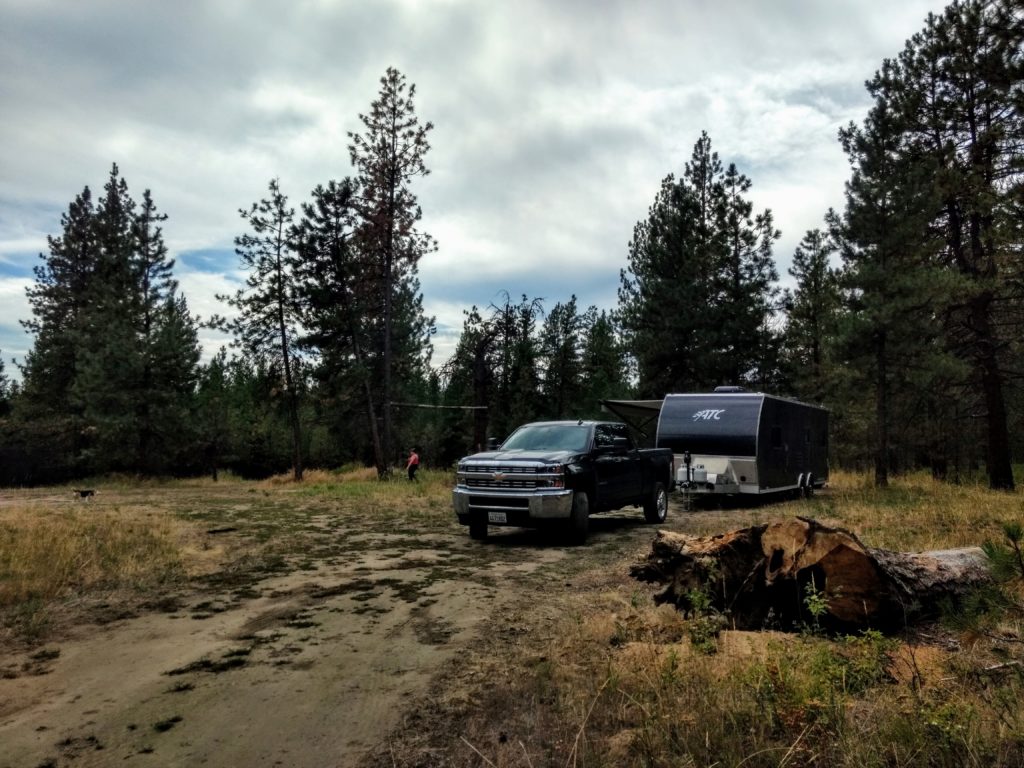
(763,575)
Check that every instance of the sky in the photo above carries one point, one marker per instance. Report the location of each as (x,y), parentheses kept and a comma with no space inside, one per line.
(555,123)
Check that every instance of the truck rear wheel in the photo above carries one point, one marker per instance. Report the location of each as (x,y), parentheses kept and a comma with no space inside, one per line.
(656,506)
(579,520)
(478,527)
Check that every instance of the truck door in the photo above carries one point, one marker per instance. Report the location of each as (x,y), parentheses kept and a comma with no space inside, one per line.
(633,472)
(617,464)
(611,465)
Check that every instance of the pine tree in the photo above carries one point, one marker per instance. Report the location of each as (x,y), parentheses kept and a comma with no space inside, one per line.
(338,303)
(212,409)
(892,289)
(603,363)
(58,300)
(696,299)
(268,307)
(561,340)
(470,377)
(388,155)
(812,315)
(518,375)
(953,97)
(107,322)
(747,284)
(664,293)
(167,339)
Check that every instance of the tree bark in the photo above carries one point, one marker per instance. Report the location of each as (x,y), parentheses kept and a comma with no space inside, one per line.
(763,575)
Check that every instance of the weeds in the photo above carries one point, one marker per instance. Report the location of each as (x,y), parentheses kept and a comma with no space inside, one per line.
(46,554)
(759,699)
(816,604)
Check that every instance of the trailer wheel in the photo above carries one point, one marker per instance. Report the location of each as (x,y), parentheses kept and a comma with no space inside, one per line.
(579,520)
(656,506)
(809,487)
(478,527)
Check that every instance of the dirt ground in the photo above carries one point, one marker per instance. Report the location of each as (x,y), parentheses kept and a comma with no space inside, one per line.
(365,634)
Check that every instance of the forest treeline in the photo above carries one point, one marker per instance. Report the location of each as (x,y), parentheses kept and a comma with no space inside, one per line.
(904,318)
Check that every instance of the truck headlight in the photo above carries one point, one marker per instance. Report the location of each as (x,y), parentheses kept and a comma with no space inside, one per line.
(556,476)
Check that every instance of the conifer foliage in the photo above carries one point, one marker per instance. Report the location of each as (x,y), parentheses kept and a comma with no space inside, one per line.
(388,154)
(116,350)
(268,305)
(696,297)
(933,223)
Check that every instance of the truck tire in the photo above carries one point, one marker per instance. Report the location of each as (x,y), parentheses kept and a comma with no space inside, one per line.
(478,527)
(656,506)
(579,520)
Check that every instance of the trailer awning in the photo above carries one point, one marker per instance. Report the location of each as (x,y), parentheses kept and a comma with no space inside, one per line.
(641,415)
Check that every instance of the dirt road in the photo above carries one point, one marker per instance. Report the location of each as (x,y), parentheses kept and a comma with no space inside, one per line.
(311,662)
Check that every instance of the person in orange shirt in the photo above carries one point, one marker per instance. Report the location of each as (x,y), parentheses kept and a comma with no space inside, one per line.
(414,463)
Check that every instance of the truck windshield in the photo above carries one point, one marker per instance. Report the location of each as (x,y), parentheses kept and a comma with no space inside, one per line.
(548,437)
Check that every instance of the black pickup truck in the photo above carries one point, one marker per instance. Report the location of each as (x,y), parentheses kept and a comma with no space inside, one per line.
(558,473)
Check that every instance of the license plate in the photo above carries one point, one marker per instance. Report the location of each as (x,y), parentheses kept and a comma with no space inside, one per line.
(496,517)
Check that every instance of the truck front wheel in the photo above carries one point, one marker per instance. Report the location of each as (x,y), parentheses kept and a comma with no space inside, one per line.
(579,520)
(656,506)
(478,527)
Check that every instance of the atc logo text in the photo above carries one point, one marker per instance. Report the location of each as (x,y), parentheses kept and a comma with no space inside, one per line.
(711,414)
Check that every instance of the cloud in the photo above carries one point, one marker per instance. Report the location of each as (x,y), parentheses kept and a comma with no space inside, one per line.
(555,122)
(13,339)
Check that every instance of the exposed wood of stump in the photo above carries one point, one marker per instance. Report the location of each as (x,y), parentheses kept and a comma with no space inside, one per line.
(761,573)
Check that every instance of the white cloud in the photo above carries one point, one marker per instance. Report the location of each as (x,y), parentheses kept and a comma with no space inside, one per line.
(555,121)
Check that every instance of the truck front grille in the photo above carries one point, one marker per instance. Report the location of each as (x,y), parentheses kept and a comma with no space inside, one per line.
(526,477)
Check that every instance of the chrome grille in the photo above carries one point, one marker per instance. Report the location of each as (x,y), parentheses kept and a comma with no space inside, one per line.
(509,476)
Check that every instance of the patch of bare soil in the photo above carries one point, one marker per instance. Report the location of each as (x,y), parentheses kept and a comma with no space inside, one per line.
(367,653)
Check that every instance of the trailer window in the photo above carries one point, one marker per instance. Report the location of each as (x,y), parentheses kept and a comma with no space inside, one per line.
(776,437)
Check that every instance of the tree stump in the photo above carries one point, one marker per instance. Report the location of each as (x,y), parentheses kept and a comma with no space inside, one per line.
(762,575)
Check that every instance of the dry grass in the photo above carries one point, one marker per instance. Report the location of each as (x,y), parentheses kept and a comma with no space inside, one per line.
(622,685)
(321,477)
(625,683)
(48,553)
(917,512)
(619,682)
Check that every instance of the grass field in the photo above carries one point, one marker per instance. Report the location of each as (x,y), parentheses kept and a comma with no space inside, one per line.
(600,676)
(625,683)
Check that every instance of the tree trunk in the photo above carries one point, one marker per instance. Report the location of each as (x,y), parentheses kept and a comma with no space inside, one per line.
(765,574)
(293,403)
(881,414)
(481,390)
(1000,468)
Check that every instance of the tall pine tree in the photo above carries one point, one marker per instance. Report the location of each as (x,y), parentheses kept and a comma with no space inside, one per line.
(339,306)
(812,314)
(388,155)
(952,112)
(696,298)
(115,350)
(268,307)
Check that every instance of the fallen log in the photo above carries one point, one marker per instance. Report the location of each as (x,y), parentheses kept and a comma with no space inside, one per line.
(761,575)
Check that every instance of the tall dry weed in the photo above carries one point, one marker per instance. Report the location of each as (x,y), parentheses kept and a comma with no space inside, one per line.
(47,553)
(917,512)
